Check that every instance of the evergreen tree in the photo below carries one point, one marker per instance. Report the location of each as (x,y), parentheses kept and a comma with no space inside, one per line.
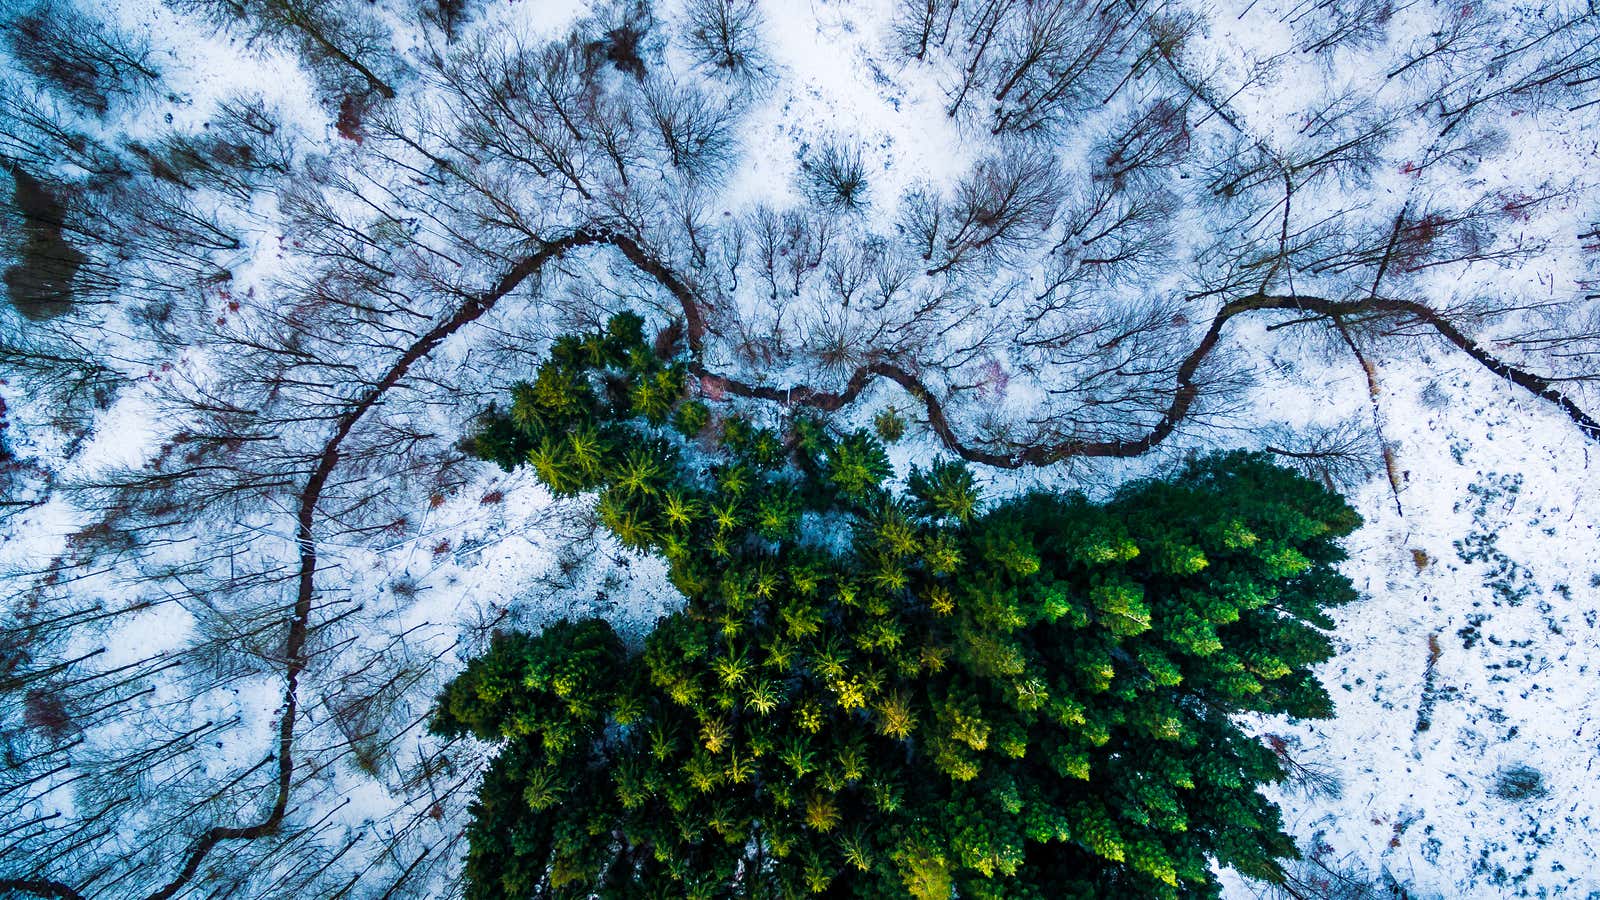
(1033,700)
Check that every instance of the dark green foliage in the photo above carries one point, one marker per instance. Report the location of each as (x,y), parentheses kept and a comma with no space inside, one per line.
(1031,701)
(856,466)
(946,490)
(691,418)
(761,447)
(497,440)
(545,687)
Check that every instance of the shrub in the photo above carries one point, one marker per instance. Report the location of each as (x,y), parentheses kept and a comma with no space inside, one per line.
(835,176)
(890,425)
(1032,699)
(1519,782)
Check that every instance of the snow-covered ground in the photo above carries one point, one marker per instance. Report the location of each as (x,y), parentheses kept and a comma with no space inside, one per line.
(1471,654)
(1469,663)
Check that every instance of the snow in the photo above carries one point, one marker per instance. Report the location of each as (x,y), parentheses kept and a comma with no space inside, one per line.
(1514,679)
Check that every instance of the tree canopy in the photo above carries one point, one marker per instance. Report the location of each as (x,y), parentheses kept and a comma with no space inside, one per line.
(882,692)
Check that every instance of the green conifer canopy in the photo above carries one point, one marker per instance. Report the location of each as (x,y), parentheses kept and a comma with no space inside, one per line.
(1027,700)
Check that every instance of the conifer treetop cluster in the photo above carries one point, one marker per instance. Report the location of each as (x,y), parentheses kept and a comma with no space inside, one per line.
(1029,699)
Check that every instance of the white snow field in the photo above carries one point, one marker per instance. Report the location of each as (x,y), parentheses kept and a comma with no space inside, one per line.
(240,551)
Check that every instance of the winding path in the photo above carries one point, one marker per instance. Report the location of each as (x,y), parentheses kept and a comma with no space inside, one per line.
(1185,393)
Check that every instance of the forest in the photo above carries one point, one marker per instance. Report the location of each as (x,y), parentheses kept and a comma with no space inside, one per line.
(731,448)
(1026,701)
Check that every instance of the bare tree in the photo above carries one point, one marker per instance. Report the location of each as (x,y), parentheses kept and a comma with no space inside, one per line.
(1462,32)
(1002,207)
(445,15)
(693,129)
(336,36)
(1122,236)
(725,36)
(981,31)
(1557,58)
(1153,138)
(521,106)
(241,150)
(34,130)
(1055,62)
(1342,456)
(85,59)
(1324,25)
(922,25)
(834,175)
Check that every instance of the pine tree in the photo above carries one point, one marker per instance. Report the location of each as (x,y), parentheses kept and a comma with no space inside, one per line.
(1031,700)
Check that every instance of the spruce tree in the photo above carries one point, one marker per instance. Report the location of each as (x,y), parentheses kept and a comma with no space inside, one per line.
(1034,699)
